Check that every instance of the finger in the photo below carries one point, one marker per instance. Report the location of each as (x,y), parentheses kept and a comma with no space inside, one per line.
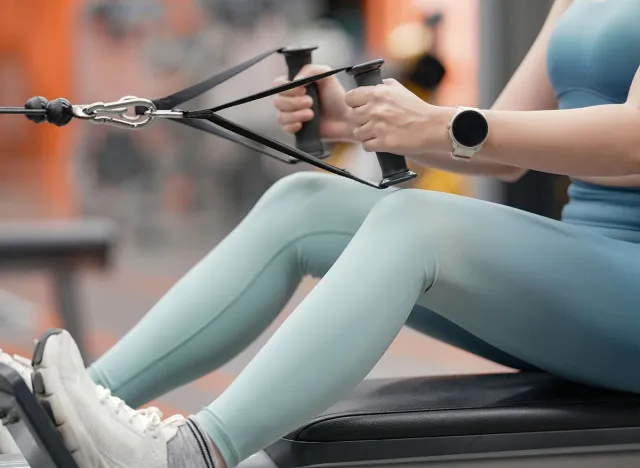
(311,70)
(364,132)
(290,104)
(372,146)
(361,115)
(299,91)
(392,82)
(292,128)
(359,97)
(279,81)
(286,118)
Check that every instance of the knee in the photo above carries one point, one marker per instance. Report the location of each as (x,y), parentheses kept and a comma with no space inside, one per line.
(406,208)
(404,230)
(300,188)
(311,200)
(418,218)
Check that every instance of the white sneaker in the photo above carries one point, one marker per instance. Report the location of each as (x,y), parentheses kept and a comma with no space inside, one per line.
(23,367)
(99,430)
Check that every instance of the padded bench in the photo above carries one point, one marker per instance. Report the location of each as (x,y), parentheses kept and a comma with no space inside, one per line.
(440,418)
(60,248)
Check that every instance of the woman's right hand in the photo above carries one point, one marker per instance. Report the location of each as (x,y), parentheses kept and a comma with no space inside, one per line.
(294,106)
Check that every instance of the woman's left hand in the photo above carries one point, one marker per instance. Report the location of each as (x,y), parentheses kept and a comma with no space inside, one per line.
(391,118)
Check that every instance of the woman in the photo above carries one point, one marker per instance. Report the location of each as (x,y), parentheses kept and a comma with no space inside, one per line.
(513,287)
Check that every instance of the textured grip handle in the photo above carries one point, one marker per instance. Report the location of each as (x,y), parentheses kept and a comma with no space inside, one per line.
(308,137)
(394,167)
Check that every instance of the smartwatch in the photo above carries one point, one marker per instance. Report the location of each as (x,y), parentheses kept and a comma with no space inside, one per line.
(468,130)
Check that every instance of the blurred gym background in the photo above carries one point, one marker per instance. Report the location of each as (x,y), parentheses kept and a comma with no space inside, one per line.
(97,223)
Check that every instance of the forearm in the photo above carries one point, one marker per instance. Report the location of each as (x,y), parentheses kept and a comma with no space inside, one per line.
(600,141)
(519,95)
(597,141)
(444,162)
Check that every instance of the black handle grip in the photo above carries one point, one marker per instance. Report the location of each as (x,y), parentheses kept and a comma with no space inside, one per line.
(394,167)
(308,137)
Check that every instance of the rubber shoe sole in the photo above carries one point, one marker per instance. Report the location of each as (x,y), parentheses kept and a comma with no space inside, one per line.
(43,392)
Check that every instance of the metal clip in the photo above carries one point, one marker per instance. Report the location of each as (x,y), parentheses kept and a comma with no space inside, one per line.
(117,113)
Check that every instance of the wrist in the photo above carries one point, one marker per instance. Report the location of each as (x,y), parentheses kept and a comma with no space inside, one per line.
(437,131)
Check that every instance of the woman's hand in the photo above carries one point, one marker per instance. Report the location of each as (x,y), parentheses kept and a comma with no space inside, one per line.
(294,106)
(391,118)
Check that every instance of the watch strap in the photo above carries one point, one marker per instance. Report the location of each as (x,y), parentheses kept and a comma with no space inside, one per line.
(460,152)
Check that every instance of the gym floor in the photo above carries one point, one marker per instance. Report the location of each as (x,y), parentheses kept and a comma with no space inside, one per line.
(114,301)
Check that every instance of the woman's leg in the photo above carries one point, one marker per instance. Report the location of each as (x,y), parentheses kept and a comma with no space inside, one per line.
(545,292)
(300,227)
(436,326)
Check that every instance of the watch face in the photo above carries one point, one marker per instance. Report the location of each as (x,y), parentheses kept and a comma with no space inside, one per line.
(470,128)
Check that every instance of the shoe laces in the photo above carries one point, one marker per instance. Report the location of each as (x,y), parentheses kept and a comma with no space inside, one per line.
(20,364)
(148,419)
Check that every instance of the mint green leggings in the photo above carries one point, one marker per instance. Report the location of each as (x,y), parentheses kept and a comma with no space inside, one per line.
(516,288)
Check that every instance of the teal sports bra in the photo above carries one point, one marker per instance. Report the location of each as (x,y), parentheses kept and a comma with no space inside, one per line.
(594,52)
(592,58)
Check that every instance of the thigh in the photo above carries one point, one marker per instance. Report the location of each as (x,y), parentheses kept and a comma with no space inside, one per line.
(330,210)
(436,326)
(547,293)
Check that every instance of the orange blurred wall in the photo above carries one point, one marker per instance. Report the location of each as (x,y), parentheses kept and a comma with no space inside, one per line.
(37,50)
(457,40)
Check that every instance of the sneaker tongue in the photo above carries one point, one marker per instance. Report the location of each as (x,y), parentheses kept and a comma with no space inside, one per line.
(169,427)
(175,420)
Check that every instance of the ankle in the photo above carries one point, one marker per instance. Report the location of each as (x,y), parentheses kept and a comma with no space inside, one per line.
(191,447)
(217,456)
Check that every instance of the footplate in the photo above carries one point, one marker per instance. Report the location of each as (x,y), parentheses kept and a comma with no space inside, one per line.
(13,461)
(30,427)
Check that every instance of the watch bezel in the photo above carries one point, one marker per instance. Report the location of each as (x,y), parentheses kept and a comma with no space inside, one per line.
(457,144)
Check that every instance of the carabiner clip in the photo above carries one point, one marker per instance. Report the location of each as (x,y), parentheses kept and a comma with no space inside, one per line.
(117,113)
